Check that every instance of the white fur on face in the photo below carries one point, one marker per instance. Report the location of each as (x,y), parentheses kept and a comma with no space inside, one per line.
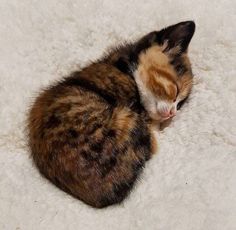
(166,106)
(152,104)
(163,106)
(147,98)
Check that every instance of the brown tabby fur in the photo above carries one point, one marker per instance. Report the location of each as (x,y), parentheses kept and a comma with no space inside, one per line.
(90,134)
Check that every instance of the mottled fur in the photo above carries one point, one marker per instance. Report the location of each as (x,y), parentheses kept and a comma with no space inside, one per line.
(91,133)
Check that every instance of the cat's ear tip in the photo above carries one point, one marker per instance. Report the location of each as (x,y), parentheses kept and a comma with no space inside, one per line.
(190,24)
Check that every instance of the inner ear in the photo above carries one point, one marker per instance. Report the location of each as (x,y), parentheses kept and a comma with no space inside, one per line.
(177,36)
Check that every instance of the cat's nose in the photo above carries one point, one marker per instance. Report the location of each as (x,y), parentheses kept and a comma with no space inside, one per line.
(167,114)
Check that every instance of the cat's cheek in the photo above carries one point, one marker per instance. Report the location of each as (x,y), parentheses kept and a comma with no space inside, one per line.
(149,104)
(156,117)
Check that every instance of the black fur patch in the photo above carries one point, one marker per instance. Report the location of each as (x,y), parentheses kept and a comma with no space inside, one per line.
(52,122)
(75,80)
(140,138)
(181,103)
(72,133)
(122,65)
(111,133)
(120,191)
(179,65)
(97,147)
(90,156)
(108,165)
(179,34)
(138,166)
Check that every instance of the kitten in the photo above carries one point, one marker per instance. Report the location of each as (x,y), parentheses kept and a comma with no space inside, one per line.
(91,133)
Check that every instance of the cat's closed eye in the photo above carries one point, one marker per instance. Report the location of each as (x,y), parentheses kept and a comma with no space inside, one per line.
(177,93)
(181,103)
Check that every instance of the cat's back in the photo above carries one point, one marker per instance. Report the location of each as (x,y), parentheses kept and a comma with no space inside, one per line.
(86,133)
(95,88)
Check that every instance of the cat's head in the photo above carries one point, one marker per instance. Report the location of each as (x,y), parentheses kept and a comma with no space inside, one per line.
(163,71)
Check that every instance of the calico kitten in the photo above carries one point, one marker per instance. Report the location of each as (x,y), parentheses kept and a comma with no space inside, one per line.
(91,133)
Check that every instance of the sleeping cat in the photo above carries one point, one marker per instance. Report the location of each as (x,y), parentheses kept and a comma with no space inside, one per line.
(91,133)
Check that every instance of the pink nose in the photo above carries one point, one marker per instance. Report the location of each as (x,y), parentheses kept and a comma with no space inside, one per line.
(167,114)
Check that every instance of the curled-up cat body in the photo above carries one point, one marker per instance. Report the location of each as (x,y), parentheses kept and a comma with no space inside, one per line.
(92,132)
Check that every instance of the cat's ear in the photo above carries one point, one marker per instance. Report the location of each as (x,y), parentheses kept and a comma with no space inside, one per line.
(177,36)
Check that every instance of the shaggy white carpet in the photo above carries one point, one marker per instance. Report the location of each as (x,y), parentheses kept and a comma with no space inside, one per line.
(191,183)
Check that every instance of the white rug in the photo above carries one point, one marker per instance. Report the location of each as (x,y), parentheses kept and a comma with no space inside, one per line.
(191,183)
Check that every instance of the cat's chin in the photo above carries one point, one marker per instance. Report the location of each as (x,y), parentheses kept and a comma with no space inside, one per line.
(161,123)
(165,124)
(160,119)
(165,119)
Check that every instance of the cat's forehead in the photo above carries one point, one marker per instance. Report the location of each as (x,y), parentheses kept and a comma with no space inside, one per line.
(157,73)
(154,56)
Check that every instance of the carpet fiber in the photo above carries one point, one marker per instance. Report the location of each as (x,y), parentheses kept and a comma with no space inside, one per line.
(191,183)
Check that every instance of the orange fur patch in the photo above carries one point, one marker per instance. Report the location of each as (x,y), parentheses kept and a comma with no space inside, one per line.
(157,73)
(123,121)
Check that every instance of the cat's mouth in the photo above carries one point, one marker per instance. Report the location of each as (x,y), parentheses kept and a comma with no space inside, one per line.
(166,118)
(166,115)
(161,117)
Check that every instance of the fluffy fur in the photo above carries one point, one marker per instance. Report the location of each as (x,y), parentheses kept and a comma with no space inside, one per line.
(91,133)
(190,183)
